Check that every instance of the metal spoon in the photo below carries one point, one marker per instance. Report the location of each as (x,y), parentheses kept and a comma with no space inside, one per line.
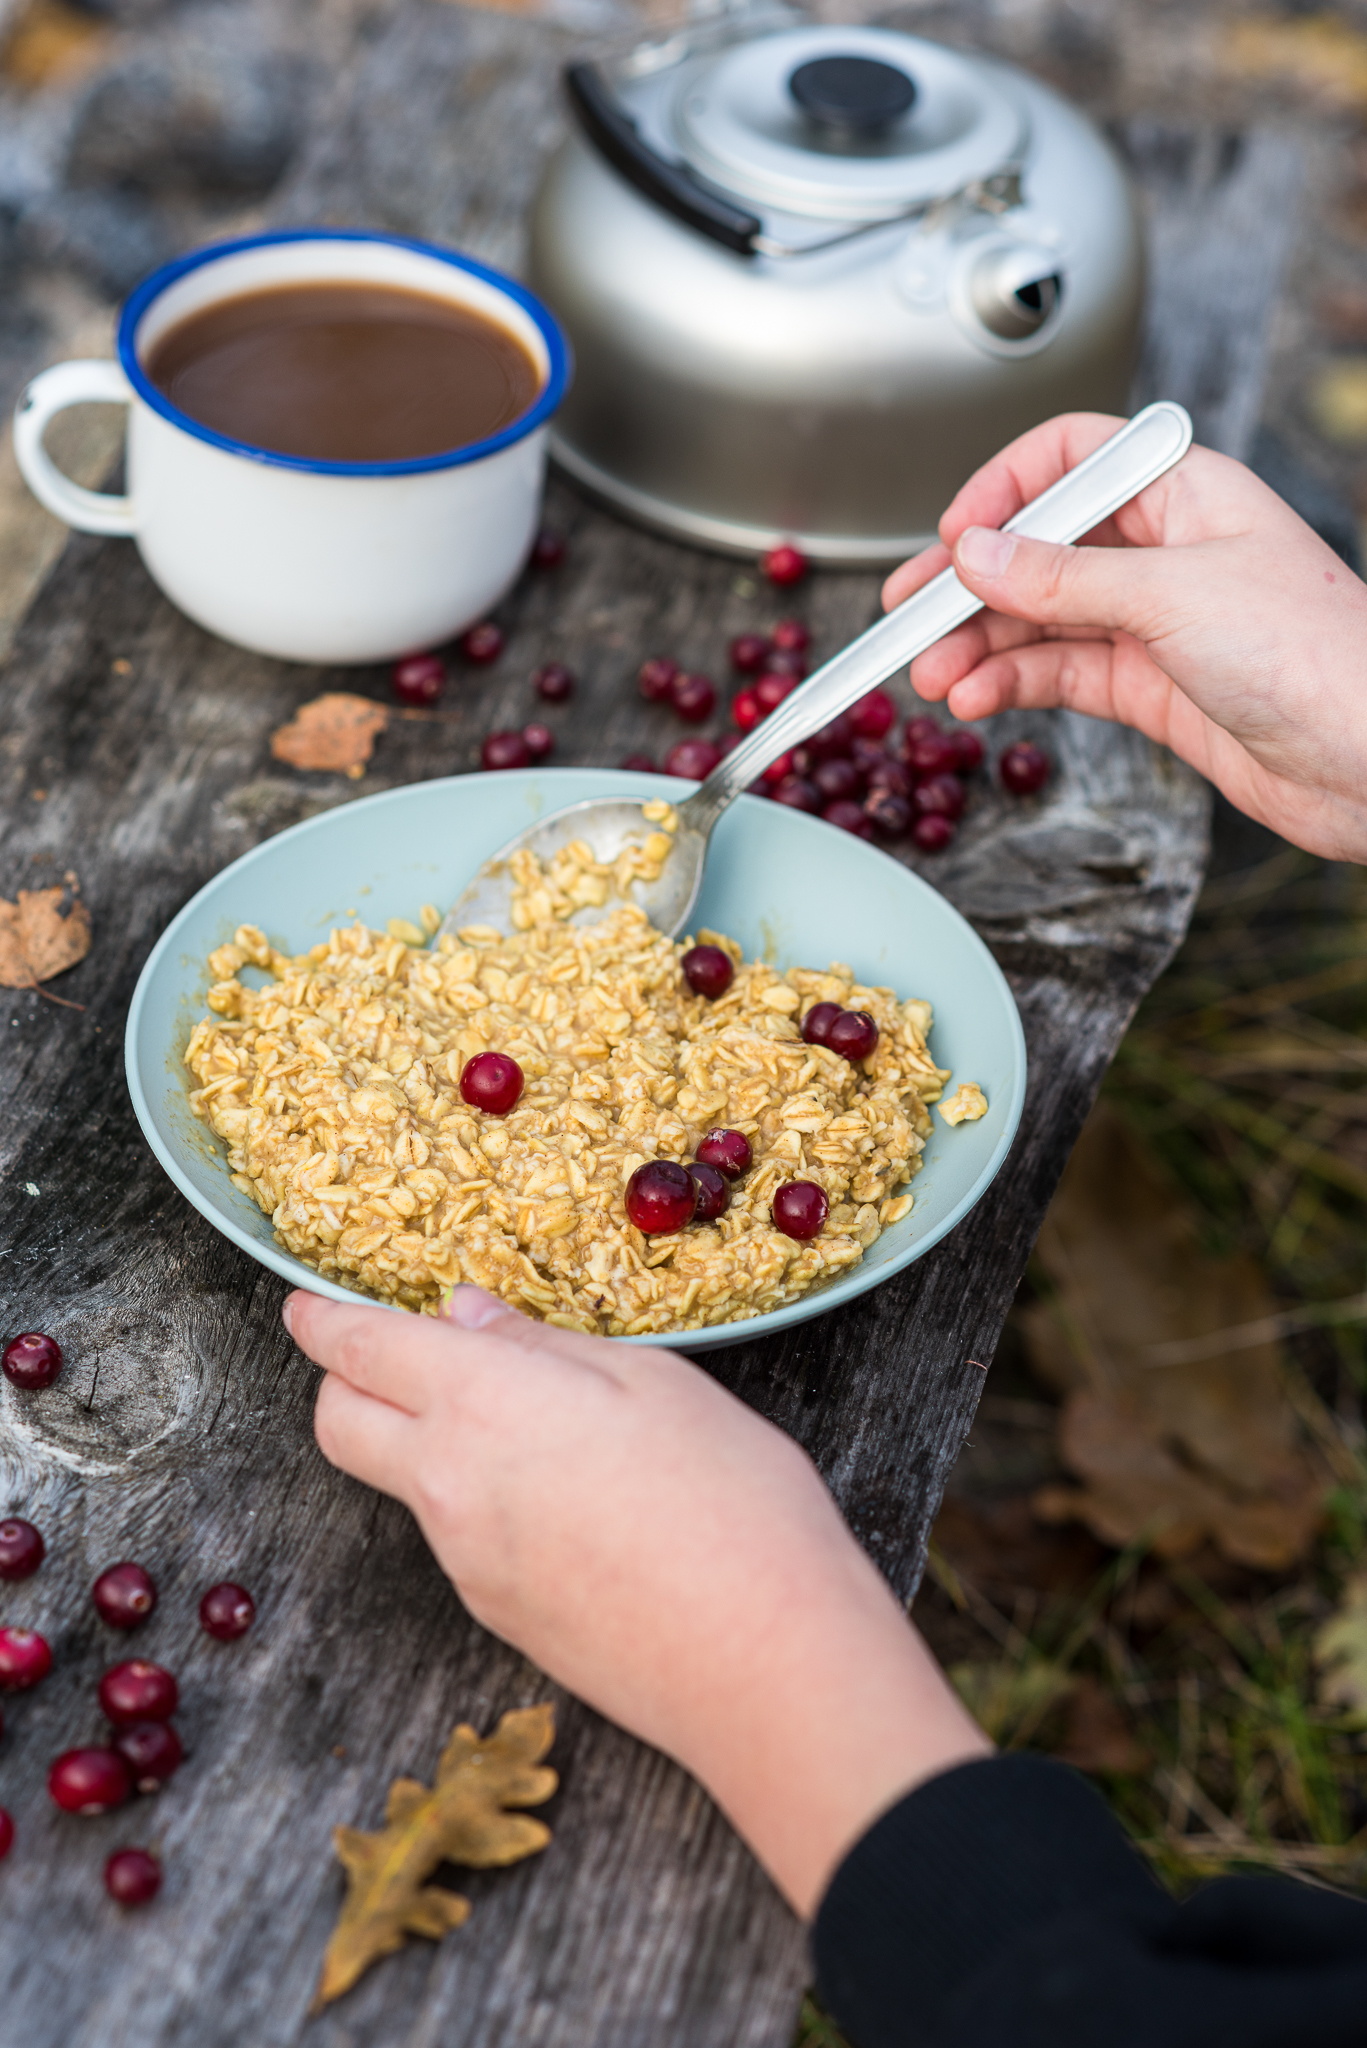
(1134,457)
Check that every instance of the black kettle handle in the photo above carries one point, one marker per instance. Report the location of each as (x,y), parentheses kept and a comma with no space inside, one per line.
(671,186)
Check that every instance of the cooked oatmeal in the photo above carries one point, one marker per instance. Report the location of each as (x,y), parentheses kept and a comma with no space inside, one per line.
(335,1089)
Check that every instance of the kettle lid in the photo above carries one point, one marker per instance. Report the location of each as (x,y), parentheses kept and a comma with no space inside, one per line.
(845,122)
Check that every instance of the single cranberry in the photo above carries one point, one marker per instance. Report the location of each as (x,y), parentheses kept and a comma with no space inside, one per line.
(728,743)
(227,1610)
(32,1359)
(151,1750)
(693,759)
(505,750)
(6,1834)
(708,971)
(714,1196)
(661,1197)
(748,653)
(968,750)
(942,793)
(418,679)
(24,1659)
(887,812)
(835,738)
(1023,769)
(538,739)
(548,549)
(554,682)
(785,564)
(890,775)
(729,1151)
(874,715)
(656,679)
(694,697)
(124,1595)
(745,710)
(836,778)
(22,1549)
(800,1209)
(138,1691)
(785,661)
(792,635)
(483,643)
(89,1781)
(931,755)
(771,690)
(132,1876)
(491,1082)
(797,792)
(933,832)
(854,1035)
(849,816)
(867,755)
(816,1025)
(640,764)
(921,728)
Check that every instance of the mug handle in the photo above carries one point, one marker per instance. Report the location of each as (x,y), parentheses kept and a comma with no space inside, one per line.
(51,392)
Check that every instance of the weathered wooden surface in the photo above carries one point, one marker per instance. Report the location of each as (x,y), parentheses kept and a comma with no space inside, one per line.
(180,1432)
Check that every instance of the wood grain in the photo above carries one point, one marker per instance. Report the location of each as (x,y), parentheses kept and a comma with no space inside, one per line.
(180,1431)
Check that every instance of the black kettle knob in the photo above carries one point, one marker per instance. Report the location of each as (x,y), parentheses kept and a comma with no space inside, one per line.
(858,95)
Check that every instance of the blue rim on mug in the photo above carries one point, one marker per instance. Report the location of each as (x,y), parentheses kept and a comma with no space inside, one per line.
(557,351)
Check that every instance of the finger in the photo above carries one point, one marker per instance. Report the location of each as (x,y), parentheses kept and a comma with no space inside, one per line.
(914,575)
(370,1439)
(1024,468)
(1100,678)
(389,1356)
(934,673)
(472,1309)
(1129,589)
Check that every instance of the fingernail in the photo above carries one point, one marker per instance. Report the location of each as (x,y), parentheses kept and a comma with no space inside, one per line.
(287,1313)
(985,552)
(472,1308)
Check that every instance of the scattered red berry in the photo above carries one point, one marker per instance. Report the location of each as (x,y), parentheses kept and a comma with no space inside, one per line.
(25,1659)
(785,564)
(933,832)
(1023,769)
(227,1610)
(835,738)
(729,1151)
(6,1834)
(771,690)
(784,662)
(920,728)
(505,750)
(554,682)
(749,651)
(745,710)
(836,778)
(491,1082)
(151,1750)
(779,769)
(132,1876)
(800,1209)
(483,643)
(887,812)
(891,775)
(31,1360)
(714,1196)
(89,1781)
(548,549)
(797,792)
(849,817)
(641,764)
(538,739)
(792,635)
(657,678)
(693,759)
(816,1025)
(661,1198)
(694,697)
(874,715)
(968,750)
(418,679)
(942,793)
(22,1549)
(124,1595)
(138,1691)
(853,1034)
(708,971)
(932,754)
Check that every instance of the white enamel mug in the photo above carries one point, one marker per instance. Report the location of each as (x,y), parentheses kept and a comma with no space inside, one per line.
(311,561)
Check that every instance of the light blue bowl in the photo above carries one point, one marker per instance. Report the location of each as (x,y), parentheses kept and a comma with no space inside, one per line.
(788,887)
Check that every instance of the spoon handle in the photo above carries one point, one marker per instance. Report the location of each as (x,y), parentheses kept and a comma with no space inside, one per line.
(1134,457)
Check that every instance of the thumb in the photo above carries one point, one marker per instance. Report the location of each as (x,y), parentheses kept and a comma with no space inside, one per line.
(1058,586)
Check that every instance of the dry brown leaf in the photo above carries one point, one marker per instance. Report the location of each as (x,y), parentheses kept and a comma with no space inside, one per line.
(1175,1454)
(463,1819)
(336,732)
(37,940)
(1321,53)
(52,44)
(1341,1653)
(1096,1735)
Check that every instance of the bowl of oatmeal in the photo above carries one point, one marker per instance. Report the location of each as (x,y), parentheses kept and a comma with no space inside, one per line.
(298,1041)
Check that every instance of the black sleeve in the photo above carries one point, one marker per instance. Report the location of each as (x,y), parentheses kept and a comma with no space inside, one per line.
(1001,1906)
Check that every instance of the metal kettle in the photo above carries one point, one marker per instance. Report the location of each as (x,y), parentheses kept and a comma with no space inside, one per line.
(815,276)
